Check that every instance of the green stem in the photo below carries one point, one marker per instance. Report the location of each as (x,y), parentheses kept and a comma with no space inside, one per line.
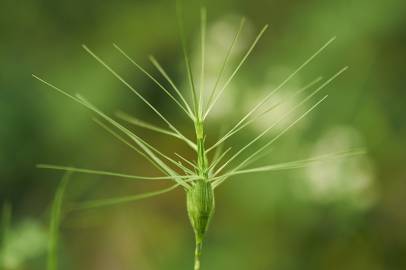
(198,253)
(200,198)
(203,170)
(201,152)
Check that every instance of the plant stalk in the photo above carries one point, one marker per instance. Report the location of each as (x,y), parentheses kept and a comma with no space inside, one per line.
(198,253)
(200,198)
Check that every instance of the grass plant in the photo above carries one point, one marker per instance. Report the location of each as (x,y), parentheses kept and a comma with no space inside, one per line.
(214,164)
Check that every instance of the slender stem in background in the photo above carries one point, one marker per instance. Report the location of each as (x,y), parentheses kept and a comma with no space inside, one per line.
(56,214)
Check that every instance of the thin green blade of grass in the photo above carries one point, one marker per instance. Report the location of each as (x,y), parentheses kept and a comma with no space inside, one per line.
(236,128)
(257,152)
(218,152)
(163,88)
(137,122)
(133,147)
(187,161)
(148,149)
(55,88)
(144,145)
(149,146)
(327,82)
(115,74)
(302,163)
(218,149)
(188,171)
(268,129)
(59,90)
(281,85)
(321,87)
(203,25)
(186,58)
(106,173)
(258,157)
(120,200)
(159,67)
(146,156)
(261,135)
(140,142)
(251,48)
(223,66)
(217,160)
(56,213)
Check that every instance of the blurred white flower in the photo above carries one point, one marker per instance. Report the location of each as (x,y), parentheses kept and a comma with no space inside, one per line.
(281,103)
(219,38)
(24,242)
(351,178)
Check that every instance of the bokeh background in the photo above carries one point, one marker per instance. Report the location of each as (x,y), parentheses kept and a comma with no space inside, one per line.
(341,214)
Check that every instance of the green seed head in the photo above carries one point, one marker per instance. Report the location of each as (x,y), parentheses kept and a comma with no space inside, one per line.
(200,207)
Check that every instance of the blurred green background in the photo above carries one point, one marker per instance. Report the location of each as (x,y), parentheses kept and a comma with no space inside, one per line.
(342,214)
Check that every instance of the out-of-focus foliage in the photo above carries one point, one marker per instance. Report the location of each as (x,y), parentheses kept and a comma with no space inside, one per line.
(341,214)
(20,243)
